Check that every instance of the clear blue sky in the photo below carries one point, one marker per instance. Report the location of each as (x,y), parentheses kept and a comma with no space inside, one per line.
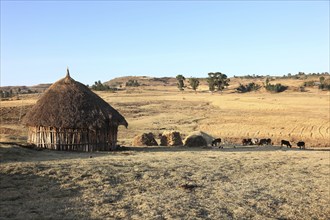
(101,40)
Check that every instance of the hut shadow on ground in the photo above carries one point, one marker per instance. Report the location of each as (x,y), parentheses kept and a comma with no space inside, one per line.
(14,153)
(28,196)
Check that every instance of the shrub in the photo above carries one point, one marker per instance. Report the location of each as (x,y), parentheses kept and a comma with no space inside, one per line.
(275,87)
(98,86)
(132,83)
(248,88)
(325,84)
(309,83)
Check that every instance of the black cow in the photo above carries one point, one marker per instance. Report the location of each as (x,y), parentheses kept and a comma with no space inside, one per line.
(247,141)
(269,141)
(216,142)
(264,141)
(287,143)
(301,144)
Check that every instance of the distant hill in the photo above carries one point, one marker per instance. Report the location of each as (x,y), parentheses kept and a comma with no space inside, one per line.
(143,80)
(26,89)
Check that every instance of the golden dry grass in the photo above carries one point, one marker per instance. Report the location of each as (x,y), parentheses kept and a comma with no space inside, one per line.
(293,116)
(266,182)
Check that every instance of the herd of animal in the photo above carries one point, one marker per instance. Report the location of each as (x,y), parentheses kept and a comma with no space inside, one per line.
(265,141)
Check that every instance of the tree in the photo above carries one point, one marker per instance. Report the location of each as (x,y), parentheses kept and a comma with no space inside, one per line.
(267,81)
(211,83)
(132,83)
(194,83)
(220,80)
(322,79)
(98,86)
(180,79)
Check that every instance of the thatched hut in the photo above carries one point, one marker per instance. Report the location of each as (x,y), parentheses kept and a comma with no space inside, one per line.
(69,116)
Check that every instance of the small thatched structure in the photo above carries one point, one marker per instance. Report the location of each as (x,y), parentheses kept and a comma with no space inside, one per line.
(170,138)
(195,141)
(69,116)
(208,138)
(145,139)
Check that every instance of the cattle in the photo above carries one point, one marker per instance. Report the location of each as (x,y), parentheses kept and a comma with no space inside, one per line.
(254,141)
(269,141)
(264,141)
(247,141)
(287,143)
(301,144)
(217,142)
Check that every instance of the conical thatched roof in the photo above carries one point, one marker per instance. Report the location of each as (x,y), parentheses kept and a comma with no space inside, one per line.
(70,104)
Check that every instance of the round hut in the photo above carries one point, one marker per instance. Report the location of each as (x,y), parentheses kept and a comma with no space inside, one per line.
(69,116)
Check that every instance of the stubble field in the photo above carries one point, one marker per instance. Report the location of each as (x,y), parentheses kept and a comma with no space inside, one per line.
(266,182)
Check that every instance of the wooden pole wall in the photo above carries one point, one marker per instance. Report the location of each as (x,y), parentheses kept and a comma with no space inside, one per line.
(74,139)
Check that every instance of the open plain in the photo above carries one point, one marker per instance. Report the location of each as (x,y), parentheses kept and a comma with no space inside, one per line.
(245,182)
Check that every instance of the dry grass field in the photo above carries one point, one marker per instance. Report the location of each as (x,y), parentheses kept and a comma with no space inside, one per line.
(165,183)
(266,182)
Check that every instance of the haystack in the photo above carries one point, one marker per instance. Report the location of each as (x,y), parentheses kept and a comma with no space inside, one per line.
(171,138)
(145,139)
(195,141)
(69,116)
(208,138)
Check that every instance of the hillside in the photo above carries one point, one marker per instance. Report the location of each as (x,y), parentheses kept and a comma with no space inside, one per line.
(293,83)
(143,80)
(236,182)
(26,89)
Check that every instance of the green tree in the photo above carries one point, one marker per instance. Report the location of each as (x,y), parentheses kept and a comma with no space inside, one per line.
(211,83)
(181,80)
(194,83)
(98,86)
(220,80)
(132,83)
(322,79)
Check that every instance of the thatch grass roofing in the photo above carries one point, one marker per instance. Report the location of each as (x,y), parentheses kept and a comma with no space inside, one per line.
(70,104)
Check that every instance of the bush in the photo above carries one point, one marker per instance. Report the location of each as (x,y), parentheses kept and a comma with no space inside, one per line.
(132,83)
(309,83)
(98,86)
(324,86)
(275,87)
(248,88)
(325,83)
